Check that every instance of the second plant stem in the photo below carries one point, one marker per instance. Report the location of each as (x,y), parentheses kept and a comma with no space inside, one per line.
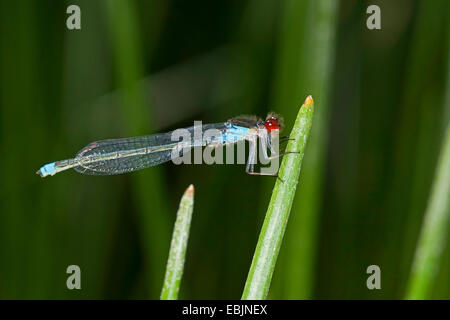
(272,232)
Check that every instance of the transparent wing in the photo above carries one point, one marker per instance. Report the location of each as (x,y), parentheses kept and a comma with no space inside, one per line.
(116,156)
(137,160)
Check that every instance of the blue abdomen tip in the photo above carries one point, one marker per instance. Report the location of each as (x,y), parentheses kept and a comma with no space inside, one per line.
(48,169)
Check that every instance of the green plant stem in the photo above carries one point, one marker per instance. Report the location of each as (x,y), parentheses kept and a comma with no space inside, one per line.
(272,232)
(177,253)
(434,230)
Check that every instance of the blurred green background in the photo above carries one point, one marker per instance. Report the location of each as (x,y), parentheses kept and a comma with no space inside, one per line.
(138,67)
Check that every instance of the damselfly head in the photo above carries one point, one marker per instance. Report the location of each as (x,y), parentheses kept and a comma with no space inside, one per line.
(273,122)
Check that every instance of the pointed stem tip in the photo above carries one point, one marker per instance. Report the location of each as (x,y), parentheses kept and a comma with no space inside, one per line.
(190,190)
(309,101)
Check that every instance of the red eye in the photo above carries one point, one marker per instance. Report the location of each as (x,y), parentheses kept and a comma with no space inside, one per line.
(272,124)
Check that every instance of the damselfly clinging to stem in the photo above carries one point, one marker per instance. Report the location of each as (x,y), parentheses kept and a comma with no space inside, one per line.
(116,156)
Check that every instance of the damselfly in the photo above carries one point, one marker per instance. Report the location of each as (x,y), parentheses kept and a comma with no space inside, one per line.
(116,156)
